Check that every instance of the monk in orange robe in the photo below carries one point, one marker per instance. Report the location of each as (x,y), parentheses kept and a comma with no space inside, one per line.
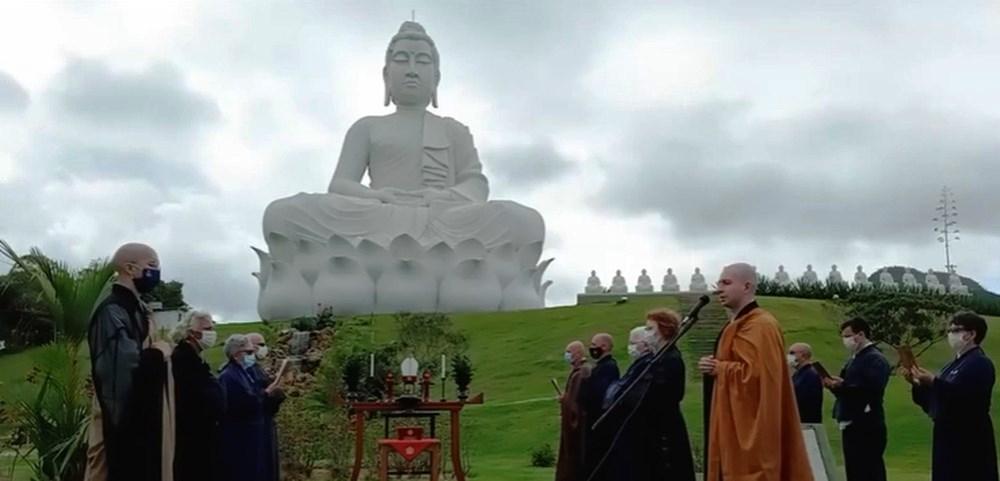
(753,428)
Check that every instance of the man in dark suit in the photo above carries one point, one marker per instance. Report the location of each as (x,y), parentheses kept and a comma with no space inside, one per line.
(860,391)
(807,382)
(604,373)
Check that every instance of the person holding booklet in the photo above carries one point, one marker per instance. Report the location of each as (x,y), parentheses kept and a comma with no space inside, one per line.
(273,397)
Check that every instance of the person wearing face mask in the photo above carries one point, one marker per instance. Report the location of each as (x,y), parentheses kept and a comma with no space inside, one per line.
(808,383)
(243,425)
(199,400)
(602,375)
(131,431)
(958,401)
(569,464)
(860,392)
(652,441)
(273,397)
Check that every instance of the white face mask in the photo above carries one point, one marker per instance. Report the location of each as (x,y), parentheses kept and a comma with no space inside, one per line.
(792,361)
(851,343)
(262,352)
(633,351)
(957,341)
(568,357)
(208,339)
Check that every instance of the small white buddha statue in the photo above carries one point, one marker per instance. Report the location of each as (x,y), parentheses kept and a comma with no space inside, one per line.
(809,276)
(782,277)
(860,278)
(593,284)
(909,279)
(698,283)
(670,283)
(834,277)
(933,283)
(885,280)
(955,285)
(644,283)
(618,285)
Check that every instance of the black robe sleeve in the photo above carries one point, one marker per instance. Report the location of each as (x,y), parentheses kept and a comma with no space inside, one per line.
(115,359)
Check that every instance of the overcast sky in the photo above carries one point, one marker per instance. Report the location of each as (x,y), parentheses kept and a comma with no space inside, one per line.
(647,135)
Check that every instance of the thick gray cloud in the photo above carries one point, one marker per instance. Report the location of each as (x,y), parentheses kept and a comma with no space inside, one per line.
(13,97)
(525,167)
(155,97)
(841,175)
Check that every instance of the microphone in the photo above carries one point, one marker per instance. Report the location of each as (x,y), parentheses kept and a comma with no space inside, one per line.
(702,302)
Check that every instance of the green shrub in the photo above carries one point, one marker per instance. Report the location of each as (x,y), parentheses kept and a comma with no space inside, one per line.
(543,457)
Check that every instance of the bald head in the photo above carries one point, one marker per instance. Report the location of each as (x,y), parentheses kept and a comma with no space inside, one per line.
(601,345)
(577,351)
(801,353)
(737,286)
(132,255)
(742,272)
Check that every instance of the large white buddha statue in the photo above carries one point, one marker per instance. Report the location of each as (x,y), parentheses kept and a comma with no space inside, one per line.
(860,278)
(593,284)
(644,283)
(424,220)
(670,283)
(618,285)
(885,280)
(782,277)
(698,283)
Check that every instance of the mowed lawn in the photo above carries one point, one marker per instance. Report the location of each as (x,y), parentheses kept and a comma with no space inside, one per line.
(516,354)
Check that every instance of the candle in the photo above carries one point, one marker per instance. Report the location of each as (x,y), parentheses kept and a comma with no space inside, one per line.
(372,370)
(444,366)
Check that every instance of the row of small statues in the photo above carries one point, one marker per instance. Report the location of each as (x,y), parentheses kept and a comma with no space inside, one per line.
(645,284)
(698,283)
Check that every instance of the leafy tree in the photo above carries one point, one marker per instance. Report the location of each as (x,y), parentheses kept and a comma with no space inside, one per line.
(67,297)
(170,294)
(903,319)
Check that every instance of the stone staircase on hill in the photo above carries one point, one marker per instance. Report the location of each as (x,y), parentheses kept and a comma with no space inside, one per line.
(700,340)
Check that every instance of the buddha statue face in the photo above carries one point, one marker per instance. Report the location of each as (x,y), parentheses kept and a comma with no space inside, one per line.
(411,71)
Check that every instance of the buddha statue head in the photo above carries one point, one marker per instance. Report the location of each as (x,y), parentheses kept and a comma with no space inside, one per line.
(412,68)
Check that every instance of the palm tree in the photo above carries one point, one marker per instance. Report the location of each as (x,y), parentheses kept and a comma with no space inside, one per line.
(67,296)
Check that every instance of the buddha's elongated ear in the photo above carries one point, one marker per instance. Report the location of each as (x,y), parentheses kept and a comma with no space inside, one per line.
(434,93)
(385,81)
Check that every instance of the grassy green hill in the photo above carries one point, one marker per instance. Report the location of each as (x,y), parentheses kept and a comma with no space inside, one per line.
(516,353)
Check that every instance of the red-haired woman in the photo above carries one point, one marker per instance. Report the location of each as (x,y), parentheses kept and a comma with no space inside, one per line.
(654,439)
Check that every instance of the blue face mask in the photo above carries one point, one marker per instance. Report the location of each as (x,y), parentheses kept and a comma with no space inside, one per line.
(148,281)
(249,360)
(568,357)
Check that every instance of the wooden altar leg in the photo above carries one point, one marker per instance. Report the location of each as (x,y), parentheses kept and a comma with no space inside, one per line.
(456,451)
(383,463)
(359,444)
(435,462)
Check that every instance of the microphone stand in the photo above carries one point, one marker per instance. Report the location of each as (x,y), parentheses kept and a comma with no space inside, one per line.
(686,324)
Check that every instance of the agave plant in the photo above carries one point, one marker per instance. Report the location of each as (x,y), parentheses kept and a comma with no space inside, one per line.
(67,296)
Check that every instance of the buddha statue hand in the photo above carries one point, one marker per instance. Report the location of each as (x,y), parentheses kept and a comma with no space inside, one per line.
(422,197)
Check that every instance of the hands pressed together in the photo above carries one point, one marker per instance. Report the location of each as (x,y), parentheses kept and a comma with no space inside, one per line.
(917,376)
(708,365)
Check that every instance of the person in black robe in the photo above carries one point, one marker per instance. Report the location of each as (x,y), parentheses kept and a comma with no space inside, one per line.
(602,375)
(199,399)
(274,396)
(653,433)
(807,382)
(958,401)
(129,374)
(243,424)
